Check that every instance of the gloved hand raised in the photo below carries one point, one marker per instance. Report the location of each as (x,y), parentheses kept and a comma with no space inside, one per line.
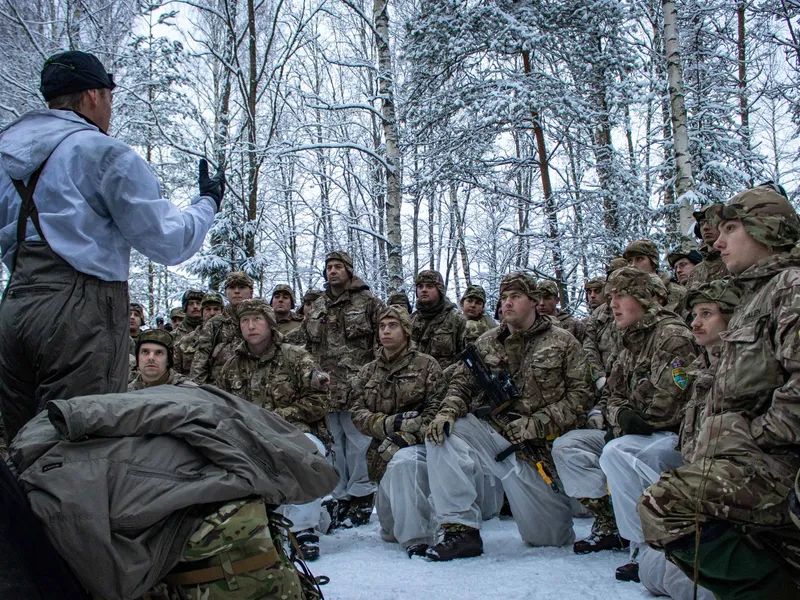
(632,422)
(212,187)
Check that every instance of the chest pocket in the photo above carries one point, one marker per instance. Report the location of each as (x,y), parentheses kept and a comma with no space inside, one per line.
(751,368)
(545,371)
(442,344)
(407,389)
(282,391)
(372,396)
(357,325)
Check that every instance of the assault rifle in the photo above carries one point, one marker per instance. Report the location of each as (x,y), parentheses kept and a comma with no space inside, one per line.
(500,393)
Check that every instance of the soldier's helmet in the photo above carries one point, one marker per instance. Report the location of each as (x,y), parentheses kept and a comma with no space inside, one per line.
(139,310)
(212,298)
(686,249)
(766,215)
(659,289)
(646,248)
(283,287)
(177,312)
(520,282)
(475,292)
(616,263)
(156,336)
(191,295)
(632,282)
(239,278)
(722,292)
(312,295)
(596,283)
(700,217)
(548,288)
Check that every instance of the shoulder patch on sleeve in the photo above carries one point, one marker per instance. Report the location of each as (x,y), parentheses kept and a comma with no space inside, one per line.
(679,377)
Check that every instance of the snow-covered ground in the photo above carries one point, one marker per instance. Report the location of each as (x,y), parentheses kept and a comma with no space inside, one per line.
(363,567)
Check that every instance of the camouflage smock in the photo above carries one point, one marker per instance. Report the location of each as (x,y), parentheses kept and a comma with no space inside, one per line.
(711,269)
(185,328)
(571,324)
(440,336)
(475,328)
(290,324)
(183,352)
(216,343)
(649,374)
(171,377)
(601,342)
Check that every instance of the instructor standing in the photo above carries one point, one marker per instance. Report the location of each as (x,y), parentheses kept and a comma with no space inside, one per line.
(73,201)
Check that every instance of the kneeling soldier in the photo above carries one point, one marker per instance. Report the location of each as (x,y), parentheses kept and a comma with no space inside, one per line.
(154,361)
(547,366)
(394,398)
(286,380)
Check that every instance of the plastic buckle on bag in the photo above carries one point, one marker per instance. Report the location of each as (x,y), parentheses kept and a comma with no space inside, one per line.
(227,570)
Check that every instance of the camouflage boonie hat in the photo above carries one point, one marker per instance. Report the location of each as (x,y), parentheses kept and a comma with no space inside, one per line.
(191,295)
(597,283)
(138,309)
(659,289)
(211,298)
(341,256)
(475,292)
(282,287)
(686,249)
(312,295)
(632,282)
(645,248)
(548,288)
(520,282)
(239,278)
(177,312)
(400,299)
(722,292)
(396,312)
(433,278)
(766,215)
(615,264)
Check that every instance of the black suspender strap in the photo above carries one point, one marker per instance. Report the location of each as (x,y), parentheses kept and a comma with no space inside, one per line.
(28,207)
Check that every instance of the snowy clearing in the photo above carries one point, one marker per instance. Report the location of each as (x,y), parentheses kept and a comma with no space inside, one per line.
(362,566)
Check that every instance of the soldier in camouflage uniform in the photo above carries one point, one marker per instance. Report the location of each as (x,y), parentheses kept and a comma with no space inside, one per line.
(218,338)
(136,322)
(154,361)
(547,366)
(176,317)
(341,332)
(286,380)
(712,266)
(478,322)
(548,305)
(282,303)
(394,399)
(745,454)
(193,315)
(437,326)
(594,293)
(210,306)
(646,393)
(643,255)
(683,259)
(400,299)
(297,337)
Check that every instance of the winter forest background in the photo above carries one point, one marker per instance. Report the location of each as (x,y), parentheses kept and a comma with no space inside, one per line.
(470,136)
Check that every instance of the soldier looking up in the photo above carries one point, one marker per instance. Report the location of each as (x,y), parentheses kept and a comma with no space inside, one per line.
(192,313)
(437,326)
(154,361)
(548,305)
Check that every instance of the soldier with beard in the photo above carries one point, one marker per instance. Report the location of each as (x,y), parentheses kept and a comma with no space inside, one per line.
(192,314)
(185,349)
(478,322)
(437,326)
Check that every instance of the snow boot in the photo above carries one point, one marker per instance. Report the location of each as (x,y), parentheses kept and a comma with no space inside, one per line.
(604,535)
(359,511)
(505,510)
(628,572)
(460,541)
(337,509)
(418,549)
(308,543)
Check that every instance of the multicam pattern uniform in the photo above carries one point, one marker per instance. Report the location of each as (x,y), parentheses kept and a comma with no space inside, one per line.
(184,351)
(745,455)
(341,334)
(711,269)
(412,381)
(649,374)
(216,344)
(441,336)
(290,324)
(601,342)
(285,380)
(546,364)
(475,328)
(571,324)
(171,377)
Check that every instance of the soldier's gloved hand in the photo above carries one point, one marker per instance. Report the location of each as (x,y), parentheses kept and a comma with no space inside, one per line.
(390,446)
(212,187)
(285,412)
(525,428)
(600,383)
(631,422)
(410,421)
(441,427)
(319,380)
(595,420)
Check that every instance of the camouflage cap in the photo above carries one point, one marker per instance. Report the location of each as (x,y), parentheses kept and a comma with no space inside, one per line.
(156,336)
(258,306)
(722,292)
(475,292)
(686,249)
(177,312)
(548,288)
(400,299)
(283,287)
(646,248)
(191,294)
(239,278)
(341,256)
(520,282)
(138,309)
(397,312)
(616,263)
(631,282)
(433,278)
(658,288)
(212,298)
(596,283)
(312,295)
(766,215)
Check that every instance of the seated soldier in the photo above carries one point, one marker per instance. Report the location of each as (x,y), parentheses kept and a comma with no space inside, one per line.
(724,517)
(394,398)
(478,322)
(683,259)
(211,305)
(548,367)
(643,255)
(645,393)
(400,299)
(548,305)
(286,380)
(154,361)
(282,303)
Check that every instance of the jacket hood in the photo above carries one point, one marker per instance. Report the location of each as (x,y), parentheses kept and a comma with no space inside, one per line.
(768,268)
(28,141)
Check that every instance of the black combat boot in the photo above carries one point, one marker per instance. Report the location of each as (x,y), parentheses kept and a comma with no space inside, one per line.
(604,535)
(308,542)
(359,512)
(418,549)
(628,572)
(459,541)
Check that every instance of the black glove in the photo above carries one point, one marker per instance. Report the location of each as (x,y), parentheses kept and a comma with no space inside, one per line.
(213,187)
(631,422)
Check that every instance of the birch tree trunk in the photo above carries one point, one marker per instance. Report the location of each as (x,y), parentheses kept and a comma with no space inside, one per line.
(744,109)
(684,182)
(393,182)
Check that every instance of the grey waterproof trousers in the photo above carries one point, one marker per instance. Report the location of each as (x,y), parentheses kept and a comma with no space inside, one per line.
(62,334)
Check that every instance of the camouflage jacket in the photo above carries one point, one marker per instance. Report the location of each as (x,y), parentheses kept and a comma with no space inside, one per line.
(411,382)
(571,324)
(676,293)
(281,381)
(649,374)
(710,269)
(441,336)
(291,324)
(170,378)
(216,343)
(184,329)
(341,334)
(601,342)
(547,366)
(183,352)
(756,394)
(701,377)
(475,328)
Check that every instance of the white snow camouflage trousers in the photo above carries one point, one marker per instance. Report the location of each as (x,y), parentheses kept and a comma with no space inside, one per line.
(305,516)
(349,456)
